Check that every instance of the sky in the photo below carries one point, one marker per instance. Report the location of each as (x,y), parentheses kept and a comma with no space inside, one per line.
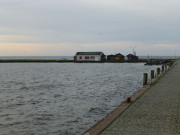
(64,27)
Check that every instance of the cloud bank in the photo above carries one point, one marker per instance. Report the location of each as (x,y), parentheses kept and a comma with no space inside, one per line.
(83,25)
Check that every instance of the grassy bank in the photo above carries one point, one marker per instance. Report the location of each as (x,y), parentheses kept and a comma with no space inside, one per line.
(60,61)
(32,60)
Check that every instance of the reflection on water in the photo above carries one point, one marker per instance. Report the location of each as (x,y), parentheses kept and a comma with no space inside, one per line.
(62,98)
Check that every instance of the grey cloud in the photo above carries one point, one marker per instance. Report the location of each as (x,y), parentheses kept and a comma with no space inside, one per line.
(80,22)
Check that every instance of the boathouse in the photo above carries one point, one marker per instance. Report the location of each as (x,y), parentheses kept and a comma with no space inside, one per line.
(111,57)
(89,56)
(119,57)
(116,57)
(131,57)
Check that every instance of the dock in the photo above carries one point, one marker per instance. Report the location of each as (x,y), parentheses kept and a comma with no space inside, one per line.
(155,112)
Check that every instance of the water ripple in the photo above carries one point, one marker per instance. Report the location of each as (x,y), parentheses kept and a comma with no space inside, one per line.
(62,98)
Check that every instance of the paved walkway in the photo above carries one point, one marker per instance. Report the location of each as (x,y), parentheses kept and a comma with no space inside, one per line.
(157,112)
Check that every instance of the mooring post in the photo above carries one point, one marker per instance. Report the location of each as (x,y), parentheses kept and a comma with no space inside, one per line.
(158,71)
(152,74)
(170,64)
(166,67)
(145,77)
(162,68)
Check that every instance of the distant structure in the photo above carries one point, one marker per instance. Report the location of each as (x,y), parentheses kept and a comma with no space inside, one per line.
(89,56)
(99,56)
(116,57)
(111,57)
(119,57)
(131,57)
(133,49)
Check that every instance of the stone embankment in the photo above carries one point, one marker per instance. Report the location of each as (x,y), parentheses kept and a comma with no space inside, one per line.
(153,110)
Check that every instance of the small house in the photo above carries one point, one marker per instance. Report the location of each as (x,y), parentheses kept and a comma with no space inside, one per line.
(119,57)
(89,56)
(111,57)
(131,57)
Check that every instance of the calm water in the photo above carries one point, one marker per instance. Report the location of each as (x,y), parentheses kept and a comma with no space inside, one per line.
(62,98)
(72,57)
(38,57)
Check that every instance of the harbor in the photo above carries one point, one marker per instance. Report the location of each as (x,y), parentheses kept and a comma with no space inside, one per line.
(63,98)
(91,57)
(153,110)
(76,67)
(146,61)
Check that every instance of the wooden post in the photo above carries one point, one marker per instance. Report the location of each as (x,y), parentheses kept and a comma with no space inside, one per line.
(152,74)
(158,71)
(166,67)
(162,68)
(145,77)
(170,64)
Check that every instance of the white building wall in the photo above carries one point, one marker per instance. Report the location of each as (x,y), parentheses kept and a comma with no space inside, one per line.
(95,57)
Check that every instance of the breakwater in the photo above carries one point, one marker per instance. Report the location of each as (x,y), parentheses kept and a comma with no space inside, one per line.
(123,121)
(71,61)
(155,113)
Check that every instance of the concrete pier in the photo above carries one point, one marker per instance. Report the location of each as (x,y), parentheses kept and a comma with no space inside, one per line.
(157,112)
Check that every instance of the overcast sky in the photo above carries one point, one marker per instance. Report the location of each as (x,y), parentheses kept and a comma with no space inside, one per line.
(63,27)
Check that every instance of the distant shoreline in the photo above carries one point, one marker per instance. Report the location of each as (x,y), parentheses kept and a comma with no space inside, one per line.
(65,61)
(33,61)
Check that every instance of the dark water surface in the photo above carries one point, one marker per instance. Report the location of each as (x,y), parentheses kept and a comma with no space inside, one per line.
(62,98)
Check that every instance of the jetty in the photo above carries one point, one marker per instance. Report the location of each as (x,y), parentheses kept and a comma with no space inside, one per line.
(155,109)
(74,61)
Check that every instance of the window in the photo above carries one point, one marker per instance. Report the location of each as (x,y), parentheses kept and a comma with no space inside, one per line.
(87,57)
(92,57)
(80,57)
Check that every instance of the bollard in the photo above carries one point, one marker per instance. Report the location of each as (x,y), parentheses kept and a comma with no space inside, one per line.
(162,68)
(152,74)
(165,67)
(129,99)
(145,77)
(158,71)
(170,64)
